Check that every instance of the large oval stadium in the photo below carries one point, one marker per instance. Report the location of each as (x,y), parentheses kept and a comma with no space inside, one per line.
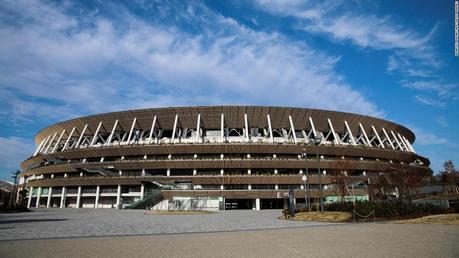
(212,157)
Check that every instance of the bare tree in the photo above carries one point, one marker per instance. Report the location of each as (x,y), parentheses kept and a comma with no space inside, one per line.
(339,176)
(449,177)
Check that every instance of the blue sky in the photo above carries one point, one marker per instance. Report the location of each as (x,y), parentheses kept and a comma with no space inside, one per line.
(390,59)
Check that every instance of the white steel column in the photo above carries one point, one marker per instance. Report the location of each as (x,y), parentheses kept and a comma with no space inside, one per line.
(118,197)
(96,203)
(142,191)
(365,134)
(409,144)
(29,202)
(403,142)
(351,136)
(292,128)
(81,136)
(271,137)
(50,195)
(396,140)
(78,197)
(109,140)
(257,204)
(95,135)
(58,140)
(49,144)
(377,136)
(223,127)
(68,139)
(38,148)
(42,149)
(198,128)
(37,204)
(63,196)
(313,127)
(246,123)
(388,138)
(128,141)
(152,130)
(175,128)
(335,137)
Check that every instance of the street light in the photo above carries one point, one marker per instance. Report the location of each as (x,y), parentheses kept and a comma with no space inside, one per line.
(317,142)
(306,184)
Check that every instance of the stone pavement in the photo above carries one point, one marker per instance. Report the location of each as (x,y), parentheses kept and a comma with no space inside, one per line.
(341,240)
(58,223)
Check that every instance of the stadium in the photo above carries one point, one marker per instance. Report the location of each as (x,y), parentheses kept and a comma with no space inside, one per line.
(212,157)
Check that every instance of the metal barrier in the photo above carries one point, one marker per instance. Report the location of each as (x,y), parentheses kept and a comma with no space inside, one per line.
(363,216)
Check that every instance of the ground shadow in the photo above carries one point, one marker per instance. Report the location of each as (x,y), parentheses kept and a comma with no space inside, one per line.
(13,221)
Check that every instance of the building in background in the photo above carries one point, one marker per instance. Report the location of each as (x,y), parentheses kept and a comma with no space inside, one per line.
(213,157)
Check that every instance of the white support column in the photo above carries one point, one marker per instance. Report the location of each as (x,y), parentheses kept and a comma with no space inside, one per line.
(351,136)
(128,140)
(292,128)
(81,136)
(68,139)
(51,142)
(175,128)
(42,149)
(50,195)
(198,128)
(118,197)
(377,136)
(63,196)
(110,137)
(142,191)
(365,134)
(29,202)
(409,144)
(222,172)
(195,172)
(335,136)
(152,130)
(223,127)
(257,204)
(396,140)
(403,142)
(95,135)
(313,127)
(38,148)
(168,172)
(271,137)
(78,203)
(246,123)
(96,202)
(37,204)
(388,138)
(57,143)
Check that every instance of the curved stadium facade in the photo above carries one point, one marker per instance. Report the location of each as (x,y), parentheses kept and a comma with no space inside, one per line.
(212,156)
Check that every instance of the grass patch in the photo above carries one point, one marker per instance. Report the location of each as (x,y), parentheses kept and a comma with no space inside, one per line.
(327,216)
(154,212)
(442,219)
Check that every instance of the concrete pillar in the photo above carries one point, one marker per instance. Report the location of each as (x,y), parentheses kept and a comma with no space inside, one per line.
(78,197)
(276,171)
(168,172)
(50,194)
(195,172)
(38,198)
(96,202)
(142,190)
(249,187)
(249,171)
(222,187)
(29,202)
(63,195)
(222,172)
(257,204)
(118,197)
(276,187)
(143,172)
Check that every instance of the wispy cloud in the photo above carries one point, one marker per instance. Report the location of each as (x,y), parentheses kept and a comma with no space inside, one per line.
(430,101)
(13,151)
(90,63)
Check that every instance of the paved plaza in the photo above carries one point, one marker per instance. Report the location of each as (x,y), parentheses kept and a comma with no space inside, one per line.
(120,233)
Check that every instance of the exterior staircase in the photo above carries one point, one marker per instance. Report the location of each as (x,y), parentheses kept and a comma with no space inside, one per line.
(150,200)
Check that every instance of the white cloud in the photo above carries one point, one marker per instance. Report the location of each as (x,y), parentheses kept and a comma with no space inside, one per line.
(430,101)
(13,151)
(90,63)
(441,120)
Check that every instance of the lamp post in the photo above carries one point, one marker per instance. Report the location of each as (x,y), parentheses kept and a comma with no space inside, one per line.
(305,180)
(317,142)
